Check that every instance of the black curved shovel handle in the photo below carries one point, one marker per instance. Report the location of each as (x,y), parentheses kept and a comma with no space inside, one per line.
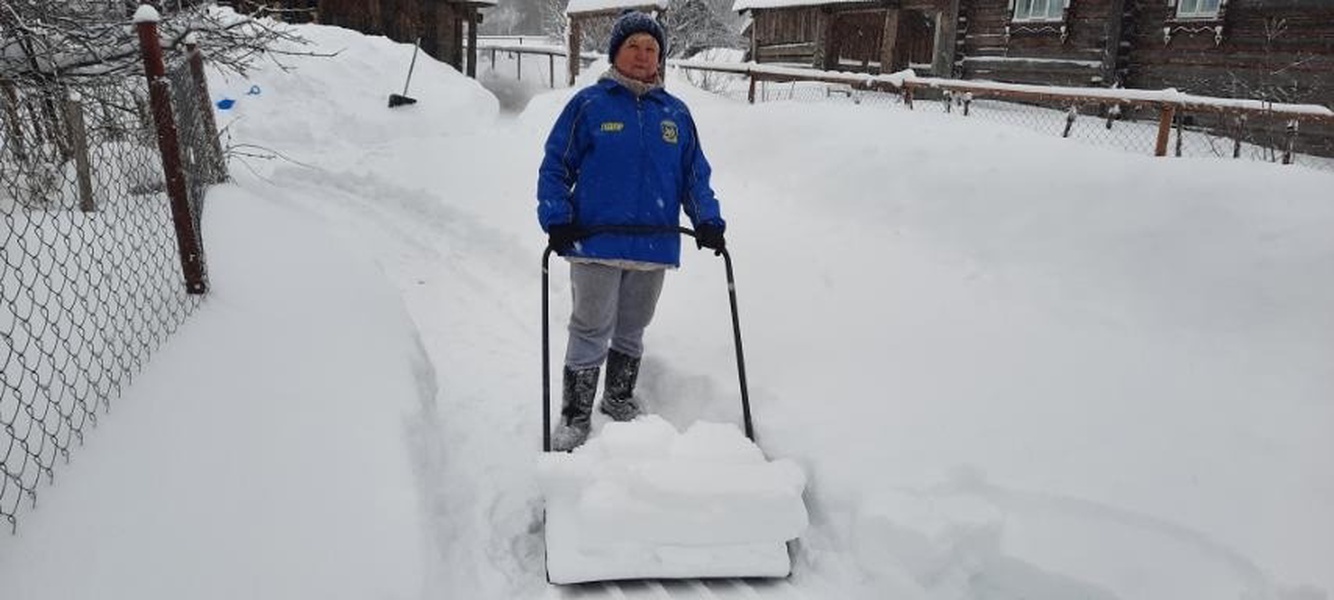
(546,324)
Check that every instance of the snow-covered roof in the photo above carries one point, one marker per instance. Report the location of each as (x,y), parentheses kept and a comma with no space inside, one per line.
(592,6)
(740,5)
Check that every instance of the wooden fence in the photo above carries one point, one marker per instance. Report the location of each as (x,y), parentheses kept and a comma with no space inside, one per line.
(1284,130)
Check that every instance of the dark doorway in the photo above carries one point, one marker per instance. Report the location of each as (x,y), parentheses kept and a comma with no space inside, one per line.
(854,43)
(856,38)
(917,42)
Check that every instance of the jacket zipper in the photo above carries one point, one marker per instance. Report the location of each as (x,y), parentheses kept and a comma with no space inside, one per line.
(643,154)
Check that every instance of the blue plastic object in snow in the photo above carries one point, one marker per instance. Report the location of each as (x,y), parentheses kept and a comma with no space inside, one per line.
(226,103)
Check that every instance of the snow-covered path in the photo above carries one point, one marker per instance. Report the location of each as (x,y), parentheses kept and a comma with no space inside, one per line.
(1012,367)
(484,419)
(924,292)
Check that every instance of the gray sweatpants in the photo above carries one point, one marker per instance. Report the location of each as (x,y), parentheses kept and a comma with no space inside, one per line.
(610,305)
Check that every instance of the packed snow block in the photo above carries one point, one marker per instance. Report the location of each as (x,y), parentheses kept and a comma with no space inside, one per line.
(643,501)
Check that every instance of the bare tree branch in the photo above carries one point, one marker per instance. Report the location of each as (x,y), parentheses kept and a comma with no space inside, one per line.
(47,41)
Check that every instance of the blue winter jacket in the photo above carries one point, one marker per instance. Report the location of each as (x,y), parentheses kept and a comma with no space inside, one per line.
(615,159)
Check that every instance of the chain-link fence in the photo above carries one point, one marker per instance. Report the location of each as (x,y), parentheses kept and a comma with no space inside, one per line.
(1222,129)
(1123,119)
(91,280)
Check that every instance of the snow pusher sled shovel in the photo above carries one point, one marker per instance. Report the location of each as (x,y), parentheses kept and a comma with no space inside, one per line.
(640,501)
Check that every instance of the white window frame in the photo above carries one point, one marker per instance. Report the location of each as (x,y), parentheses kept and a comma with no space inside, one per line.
(1191,9)
(1021,11)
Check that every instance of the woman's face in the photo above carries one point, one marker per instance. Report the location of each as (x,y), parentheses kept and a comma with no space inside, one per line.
(638,58)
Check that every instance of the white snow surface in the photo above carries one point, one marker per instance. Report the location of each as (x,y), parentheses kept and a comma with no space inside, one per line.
(1008,365)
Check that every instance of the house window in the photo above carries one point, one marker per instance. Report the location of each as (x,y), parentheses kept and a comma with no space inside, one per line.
(1042,10)
(1197,9)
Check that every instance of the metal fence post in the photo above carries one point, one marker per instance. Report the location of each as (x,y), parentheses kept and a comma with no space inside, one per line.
(187,236)
(217,164)
(1290,141)
(1238,130)
(1181,133)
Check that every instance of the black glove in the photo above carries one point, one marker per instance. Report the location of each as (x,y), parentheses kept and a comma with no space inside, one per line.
(562,237)
(710,235)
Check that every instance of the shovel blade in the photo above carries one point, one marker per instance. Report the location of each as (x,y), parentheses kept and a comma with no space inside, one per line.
(400,100)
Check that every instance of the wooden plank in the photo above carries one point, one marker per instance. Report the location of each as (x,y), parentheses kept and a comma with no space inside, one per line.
(1164,129)
(889,40)
(1111,47)
(947,32)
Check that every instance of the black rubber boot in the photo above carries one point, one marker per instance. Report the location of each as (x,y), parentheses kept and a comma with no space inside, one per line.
(580,388)
(619,402)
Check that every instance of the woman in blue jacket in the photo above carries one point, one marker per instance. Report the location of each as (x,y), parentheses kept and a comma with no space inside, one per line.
(623,153)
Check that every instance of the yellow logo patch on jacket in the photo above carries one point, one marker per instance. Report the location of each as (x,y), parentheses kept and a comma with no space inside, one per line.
(612,126)
(669,132)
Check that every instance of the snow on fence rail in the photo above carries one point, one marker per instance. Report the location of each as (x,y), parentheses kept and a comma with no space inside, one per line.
(101,181)
(1164,122)
(517,49)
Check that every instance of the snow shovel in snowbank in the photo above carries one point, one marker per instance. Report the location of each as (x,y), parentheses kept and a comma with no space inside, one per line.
(643,501)
(403,99)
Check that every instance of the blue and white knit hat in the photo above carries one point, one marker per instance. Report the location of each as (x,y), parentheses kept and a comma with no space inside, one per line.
(631,22)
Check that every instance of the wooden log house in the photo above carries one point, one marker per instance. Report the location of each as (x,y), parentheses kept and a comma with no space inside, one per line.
(1270,50)
(853,35)
(1280,50)
(447,28)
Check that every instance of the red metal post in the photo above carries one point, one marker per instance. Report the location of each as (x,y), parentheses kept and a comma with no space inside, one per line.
(187,237)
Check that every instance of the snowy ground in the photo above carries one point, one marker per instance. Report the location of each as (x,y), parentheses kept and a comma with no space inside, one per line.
(1011,366)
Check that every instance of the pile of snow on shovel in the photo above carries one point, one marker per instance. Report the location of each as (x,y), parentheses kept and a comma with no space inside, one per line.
(642,500)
